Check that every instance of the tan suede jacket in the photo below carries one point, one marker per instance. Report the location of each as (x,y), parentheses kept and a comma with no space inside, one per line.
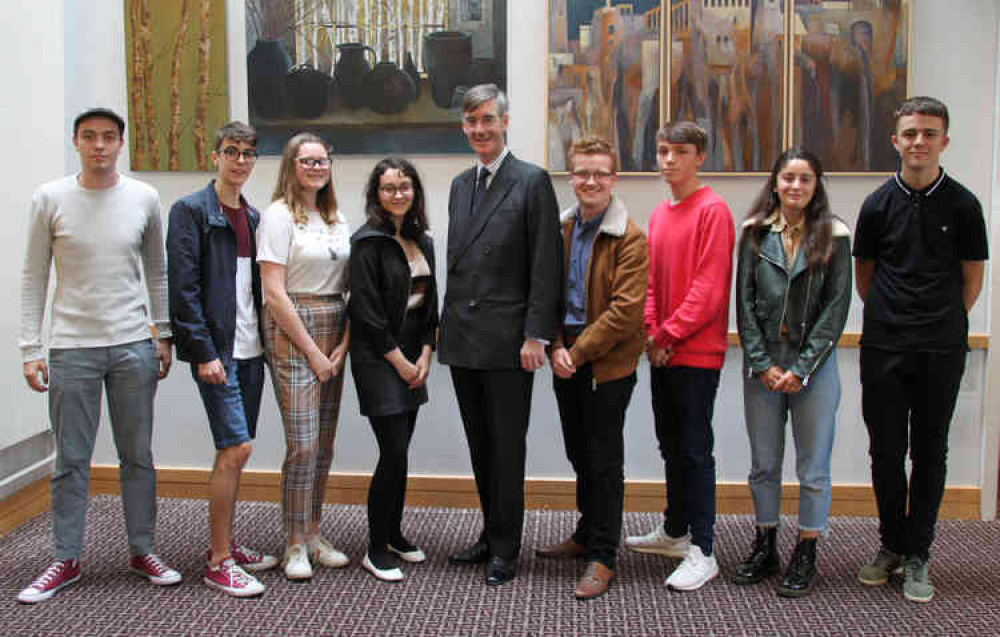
(617,275)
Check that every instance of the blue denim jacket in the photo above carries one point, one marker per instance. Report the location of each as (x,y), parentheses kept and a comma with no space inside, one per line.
(201,266)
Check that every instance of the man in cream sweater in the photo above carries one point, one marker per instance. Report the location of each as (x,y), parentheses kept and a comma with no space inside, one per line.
(101,229)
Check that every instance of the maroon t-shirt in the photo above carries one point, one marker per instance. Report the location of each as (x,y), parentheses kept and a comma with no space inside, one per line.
(238,220)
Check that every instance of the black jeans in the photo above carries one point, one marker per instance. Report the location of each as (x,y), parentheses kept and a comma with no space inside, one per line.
(593,422)
(907,399)
(683,403)
(388,487)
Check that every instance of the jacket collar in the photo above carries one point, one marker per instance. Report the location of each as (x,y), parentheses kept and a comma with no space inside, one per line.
(213,212)
(615,218)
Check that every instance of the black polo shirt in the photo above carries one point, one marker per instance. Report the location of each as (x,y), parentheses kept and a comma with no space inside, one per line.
(918,240)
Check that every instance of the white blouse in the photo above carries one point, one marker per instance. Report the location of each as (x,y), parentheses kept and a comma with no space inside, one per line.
(315,255)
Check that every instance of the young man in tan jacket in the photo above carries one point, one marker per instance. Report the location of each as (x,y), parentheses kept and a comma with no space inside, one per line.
(595,355)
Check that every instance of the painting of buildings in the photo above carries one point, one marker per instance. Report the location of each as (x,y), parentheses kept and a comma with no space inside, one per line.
(727,75)
(371,76)
(175,54)
(850,70)
(604,78)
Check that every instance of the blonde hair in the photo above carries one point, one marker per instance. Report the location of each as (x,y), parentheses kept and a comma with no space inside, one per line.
(289,190)
(594,146)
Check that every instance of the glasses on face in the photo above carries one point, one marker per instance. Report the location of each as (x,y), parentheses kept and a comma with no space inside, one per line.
(314,163)
(391,191)
(233,153)
(584,176)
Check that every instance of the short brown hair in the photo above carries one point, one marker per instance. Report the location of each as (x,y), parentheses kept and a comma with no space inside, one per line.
(237,132)
(922,105)
(594,146)
(683,133)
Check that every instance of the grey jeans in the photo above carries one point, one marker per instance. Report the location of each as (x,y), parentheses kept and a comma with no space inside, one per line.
(129,373)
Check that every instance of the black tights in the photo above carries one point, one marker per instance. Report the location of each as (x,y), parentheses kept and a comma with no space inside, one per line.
(388,487)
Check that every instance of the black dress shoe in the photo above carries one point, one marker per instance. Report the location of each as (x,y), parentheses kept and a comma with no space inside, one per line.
(472,554)
(499,570)
(801,576)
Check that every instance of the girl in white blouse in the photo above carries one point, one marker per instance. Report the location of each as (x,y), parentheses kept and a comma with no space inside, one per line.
(303,248)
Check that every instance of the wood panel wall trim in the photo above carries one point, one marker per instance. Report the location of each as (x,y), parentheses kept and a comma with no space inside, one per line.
(22,505)
(853,340)
(540,493)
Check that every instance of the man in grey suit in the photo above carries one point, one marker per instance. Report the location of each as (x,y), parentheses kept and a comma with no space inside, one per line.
(501,308)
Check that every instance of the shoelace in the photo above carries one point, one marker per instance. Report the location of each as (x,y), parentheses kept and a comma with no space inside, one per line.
(154,564)
(249,555)
(235,574)
(50,573)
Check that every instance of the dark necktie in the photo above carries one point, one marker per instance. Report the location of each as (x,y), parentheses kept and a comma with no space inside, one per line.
(480,192)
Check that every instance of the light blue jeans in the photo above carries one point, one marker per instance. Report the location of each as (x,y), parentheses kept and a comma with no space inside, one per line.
(76,378)
(814,415)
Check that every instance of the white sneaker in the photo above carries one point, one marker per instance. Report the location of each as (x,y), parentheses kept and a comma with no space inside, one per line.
(411,554)
(694,572)
(296,562)
(657,541)
(324,553)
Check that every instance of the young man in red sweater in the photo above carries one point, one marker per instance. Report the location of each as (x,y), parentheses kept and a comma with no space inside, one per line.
(691,240)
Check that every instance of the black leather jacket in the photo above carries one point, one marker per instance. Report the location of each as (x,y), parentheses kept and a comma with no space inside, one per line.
(812,302)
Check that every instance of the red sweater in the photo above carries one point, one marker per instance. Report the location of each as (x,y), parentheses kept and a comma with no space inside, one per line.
(690,271)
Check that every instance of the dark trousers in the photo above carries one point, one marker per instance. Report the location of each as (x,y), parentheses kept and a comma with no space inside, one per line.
(388,487)
(683,402)
(593,422)
(907,399)
(495,406)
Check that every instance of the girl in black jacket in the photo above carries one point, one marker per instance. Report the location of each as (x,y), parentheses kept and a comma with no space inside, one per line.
(394,320)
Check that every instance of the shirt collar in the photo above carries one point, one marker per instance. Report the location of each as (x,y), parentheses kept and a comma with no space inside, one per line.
(494,165)
(779,224)
(926,191)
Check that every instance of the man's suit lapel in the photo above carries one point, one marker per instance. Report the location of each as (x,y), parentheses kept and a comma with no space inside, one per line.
(474,224)
(459,219)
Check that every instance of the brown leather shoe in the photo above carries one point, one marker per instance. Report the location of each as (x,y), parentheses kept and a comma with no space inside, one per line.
(568,549)
(595,581)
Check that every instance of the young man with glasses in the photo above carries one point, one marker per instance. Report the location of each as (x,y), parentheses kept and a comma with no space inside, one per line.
(100,229)
(595,355)
(215,300)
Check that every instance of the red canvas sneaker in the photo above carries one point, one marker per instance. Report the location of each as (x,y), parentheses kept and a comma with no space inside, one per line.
(152,568)
(229,578)
(59,574)
(250,560)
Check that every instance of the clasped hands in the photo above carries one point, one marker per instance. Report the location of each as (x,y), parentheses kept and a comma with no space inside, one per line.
(776,379)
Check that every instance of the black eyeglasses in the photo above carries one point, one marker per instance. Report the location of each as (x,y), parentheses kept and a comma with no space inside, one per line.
(313,163)
(233,153)
(391,191)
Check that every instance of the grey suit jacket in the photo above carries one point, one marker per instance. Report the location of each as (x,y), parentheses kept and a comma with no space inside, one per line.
(504,268)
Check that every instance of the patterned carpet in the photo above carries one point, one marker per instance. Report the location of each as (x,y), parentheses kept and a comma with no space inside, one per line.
(438,600)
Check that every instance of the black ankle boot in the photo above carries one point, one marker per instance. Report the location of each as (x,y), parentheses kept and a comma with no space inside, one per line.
(801,575)
(763,561)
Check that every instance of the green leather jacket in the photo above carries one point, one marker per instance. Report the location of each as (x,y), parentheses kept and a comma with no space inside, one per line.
(813,303)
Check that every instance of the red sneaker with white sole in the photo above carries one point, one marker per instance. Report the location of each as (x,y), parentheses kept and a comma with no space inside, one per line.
(152,568)
(59,574)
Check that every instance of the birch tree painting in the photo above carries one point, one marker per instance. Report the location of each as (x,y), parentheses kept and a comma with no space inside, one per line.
(177,86)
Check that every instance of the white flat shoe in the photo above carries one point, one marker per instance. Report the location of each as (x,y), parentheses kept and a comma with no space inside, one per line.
(384,574)
(413,557)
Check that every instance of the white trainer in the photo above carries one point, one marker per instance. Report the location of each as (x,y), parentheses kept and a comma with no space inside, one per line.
(296,562)
(324,553)
(658,542)
(393,574)
(694,572)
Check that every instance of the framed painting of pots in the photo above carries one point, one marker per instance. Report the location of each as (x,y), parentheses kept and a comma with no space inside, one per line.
(175,53)
(371,76)
(604,79)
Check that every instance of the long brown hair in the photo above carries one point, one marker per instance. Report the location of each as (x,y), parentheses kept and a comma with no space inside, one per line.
(289,190)
(817,235)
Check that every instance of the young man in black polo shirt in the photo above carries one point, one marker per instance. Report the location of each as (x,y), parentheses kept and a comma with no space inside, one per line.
(919,248)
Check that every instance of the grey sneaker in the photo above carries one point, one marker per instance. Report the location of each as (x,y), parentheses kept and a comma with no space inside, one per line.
(917,585)
(877,572)
(658,542)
